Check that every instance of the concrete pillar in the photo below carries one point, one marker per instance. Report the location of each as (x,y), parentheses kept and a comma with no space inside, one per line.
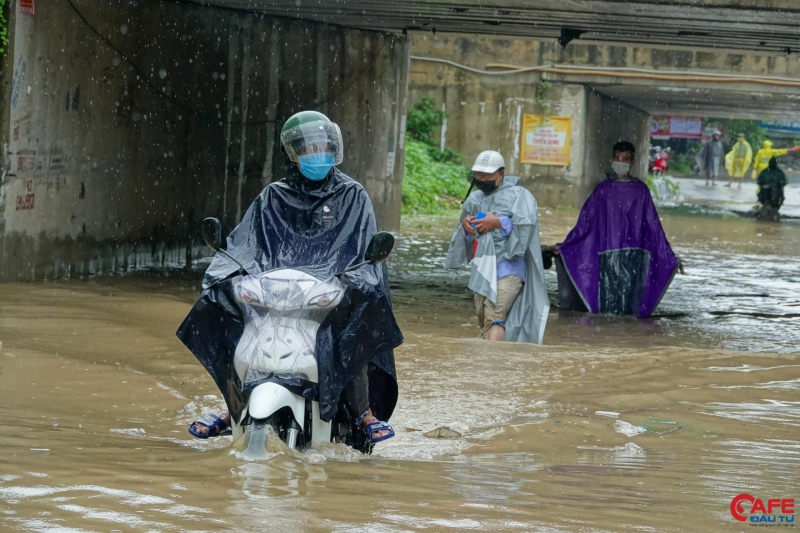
(609,121)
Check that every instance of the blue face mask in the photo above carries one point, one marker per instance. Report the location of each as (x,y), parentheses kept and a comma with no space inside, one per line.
(316,166)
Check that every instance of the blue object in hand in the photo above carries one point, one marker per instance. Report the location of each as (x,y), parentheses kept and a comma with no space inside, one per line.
(479,216)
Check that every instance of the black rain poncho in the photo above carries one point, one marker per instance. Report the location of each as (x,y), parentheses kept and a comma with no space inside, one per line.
(319,228)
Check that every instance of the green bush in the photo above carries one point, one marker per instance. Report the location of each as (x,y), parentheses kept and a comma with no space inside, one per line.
(682,165)
(424,120)
(434,181)
(430,186)
(3,28)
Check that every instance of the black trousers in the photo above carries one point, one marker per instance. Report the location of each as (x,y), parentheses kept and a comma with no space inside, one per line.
(356,395)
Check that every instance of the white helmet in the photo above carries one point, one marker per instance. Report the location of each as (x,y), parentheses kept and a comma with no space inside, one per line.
(489,162)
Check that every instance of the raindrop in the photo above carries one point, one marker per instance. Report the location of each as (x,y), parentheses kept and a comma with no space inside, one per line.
(123,29)
(116,61)
(162,73)
(215,75)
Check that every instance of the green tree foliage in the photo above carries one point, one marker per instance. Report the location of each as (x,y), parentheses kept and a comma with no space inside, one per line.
(434,181)
(733,127)
(424,120)
(3,27)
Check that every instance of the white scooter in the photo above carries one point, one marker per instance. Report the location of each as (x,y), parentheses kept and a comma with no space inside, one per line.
(283,309)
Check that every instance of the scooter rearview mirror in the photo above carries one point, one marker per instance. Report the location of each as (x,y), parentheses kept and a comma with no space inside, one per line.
(379,247)
(212,233)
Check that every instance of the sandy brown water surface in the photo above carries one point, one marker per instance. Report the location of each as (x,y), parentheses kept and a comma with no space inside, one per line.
(96,393)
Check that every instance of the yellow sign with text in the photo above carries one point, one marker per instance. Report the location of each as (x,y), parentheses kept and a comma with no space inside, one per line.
(546,140)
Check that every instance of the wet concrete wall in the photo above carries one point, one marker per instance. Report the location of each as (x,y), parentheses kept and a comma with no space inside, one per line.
(127,127)
(609,121)
(486,112)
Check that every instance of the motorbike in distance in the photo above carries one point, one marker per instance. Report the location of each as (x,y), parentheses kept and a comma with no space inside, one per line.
(282,311)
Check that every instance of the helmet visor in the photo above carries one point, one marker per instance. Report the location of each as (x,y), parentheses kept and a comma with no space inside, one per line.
(313,137)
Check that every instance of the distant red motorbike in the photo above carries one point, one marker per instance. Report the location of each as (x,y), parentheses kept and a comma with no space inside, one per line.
(659,167)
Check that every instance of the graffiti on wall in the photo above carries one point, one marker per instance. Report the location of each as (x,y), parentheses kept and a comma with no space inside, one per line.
(26,7)
(25,201)
(26,162)
(16,81)
(46,168)
(22,127)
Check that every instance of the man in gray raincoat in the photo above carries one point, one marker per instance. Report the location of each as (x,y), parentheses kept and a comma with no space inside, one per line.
(499,233)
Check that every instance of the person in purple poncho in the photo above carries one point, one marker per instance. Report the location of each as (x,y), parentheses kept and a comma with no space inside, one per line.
(616,260)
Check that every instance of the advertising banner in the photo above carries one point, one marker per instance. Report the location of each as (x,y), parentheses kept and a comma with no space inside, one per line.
(665,127)
(546,140)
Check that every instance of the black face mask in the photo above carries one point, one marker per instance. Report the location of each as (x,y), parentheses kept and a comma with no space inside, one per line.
(486,187)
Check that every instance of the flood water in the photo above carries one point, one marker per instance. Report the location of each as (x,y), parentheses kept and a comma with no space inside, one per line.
(96,393)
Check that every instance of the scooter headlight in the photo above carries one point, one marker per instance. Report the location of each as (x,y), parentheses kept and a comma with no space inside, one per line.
(324,300)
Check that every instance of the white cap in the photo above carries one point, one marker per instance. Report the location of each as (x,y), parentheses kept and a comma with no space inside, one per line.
(489,162)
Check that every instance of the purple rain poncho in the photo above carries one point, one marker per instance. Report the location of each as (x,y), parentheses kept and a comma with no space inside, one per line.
(616,260)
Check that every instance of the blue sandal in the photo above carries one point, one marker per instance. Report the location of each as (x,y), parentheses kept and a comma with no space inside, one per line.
(216,426)
(374,427)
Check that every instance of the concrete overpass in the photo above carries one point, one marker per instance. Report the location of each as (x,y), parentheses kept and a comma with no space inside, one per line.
(730,40)
(660,80)
(756,25)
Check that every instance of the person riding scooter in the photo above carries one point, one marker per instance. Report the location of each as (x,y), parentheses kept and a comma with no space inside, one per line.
(319,221)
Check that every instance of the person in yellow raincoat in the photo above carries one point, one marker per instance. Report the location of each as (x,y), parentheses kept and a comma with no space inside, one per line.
(767,152)
(738,160)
